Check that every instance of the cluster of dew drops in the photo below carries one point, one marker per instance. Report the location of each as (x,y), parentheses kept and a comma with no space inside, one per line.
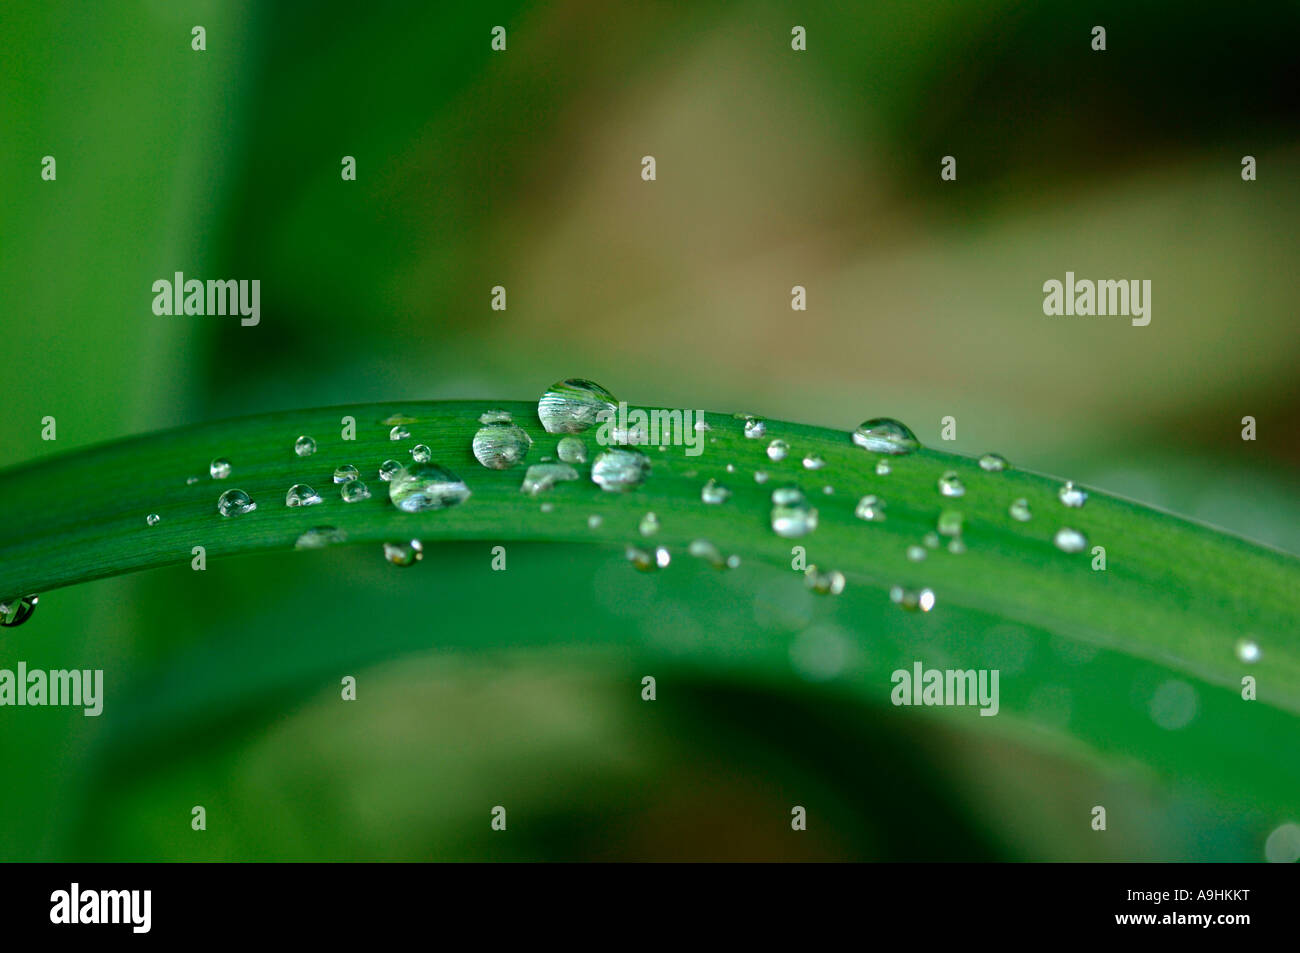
(573,406)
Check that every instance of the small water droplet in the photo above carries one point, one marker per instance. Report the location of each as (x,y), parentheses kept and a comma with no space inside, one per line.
(813,462)
(830,582)
(387,469)
(399,432)
(1248,650)
(703,549)
(404,553)
(318,537)
(571,450)
(421,454)
(354,491)
(15,610)
(731,468)
(714,492)
(870,508)
(304,446)
(191,480)
(931,540)
(300,494)
(1070,540)
(1020,511)
(885,435)
(956,546)
(883,468)
(153,519)
(542,476)
(235,503)
(426,486)
(495,417)
(760,476)
(950,523)
(1072,496)
(219,468)
(346,473)
(501,446)
(915,553)
(828,489)
(792,515)
(950,484)
(594,521)
(547,507)
(573,405)
(646,560)
(912,599)
(649,525)
(756,428)
(620,470)
(777,450)
(993,462)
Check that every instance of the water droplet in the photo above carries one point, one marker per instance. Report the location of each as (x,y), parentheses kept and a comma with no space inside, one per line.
(755,428)
(1072,496)
(1070,540)
(813,462)
(426,486)
(404,553)
(542,476)
(547,507)
(993,462)
(318,537)
(950,484)
(885,435)
(235,503)
(1248,650)
(501,446)
(300,494)
(649,525)
(219,468)
(399,432)
(620,470)
(1282,846)
(870,508)
(828,489)
(573,405)
(731,468)
(931,540)
(714,492)
(387,469)
(153,519)
(792,515)
(1020,511)
(950,522)
(912,599)
(346,473)
(354,491)
(648,561)
(191,480)
(571,450)
(421,454)
(304,446)
(703,549)
(495,417)
(760,476)
(594,521)
(956,546)
(777,450)
(883,468)
(830,582)
(915,553)
(16,610)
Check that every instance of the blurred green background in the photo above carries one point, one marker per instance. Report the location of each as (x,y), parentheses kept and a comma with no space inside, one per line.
(522,169)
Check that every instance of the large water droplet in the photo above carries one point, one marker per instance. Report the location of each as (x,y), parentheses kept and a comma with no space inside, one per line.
(571,450)
(318,537)
(1070,540)
(304,446)
(300,494)
(426,486)
(1072,496)
(1020,511)
(777,450)
(219,468)
(501,446)
(354,491)
(403,554)
(830,582)
(542,476)
(714,492)
(15,610)
(792,515)
(993,462)
(620,470)
(912,599)
(885,435)
(235,503)
(573,405)
(346,473)
(870,508)
(950,484)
